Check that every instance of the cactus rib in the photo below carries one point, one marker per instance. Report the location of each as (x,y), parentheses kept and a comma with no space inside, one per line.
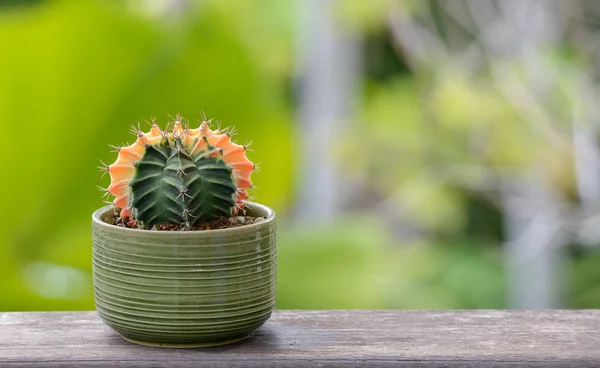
(181,176)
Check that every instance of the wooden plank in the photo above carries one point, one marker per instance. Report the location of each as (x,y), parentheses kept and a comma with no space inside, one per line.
(323,338)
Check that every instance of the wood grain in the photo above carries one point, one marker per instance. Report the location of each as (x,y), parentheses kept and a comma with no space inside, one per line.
(323,338)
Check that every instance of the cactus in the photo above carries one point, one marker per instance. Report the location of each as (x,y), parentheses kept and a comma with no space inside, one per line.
(180,175)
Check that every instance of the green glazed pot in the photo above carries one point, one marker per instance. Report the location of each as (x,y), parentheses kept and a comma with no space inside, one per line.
(185,288)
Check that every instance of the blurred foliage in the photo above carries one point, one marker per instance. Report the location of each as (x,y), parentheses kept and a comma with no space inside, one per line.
(585,279)
(354,263)
(438,140)
(340,265)
(74,75)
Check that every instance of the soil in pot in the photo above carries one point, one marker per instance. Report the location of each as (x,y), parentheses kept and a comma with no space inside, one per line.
(113,217)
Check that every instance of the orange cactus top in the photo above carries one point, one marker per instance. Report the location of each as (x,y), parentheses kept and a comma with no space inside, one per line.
(201,141)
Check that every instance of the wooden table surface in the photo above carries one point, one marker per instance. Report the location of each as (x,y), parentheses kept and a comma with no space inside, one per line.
(323,338)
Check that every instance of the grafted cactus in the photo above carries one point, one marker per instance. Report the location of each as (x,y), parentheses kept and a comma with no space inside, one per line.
(180,175)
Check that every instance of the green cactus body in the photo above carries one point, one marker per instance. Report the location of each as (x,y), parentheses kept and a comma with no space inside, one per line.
(183,177)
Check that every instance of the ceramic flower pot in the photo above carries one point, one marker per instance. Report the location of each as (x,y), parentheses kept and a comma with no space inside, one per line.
(185,288)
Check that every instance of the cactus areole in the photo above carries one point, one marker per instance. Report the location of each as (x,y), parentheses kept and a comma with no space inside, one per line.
(180,176)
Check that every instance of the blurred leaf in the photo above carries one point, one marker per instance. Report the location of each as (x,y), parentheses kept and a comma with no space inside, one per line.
(338,266)
(352,264)
(361,15)
(446,276)
(585,281)
(460,104)
(431,203)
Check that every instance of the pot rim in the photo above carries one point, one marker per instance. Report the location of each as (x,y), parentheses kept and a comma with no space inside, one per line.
(192,233)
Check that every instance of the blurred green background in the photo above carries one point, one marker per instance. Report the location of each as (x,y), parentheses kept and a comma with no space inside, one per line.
(446,129)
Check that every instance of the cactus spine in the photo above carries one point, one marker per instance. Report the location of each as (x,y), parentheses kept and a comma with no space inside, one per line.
(180,175)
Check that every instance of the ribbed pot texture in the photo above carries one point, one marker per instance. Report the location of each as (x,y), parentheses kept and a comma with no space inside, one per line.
(185,288)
